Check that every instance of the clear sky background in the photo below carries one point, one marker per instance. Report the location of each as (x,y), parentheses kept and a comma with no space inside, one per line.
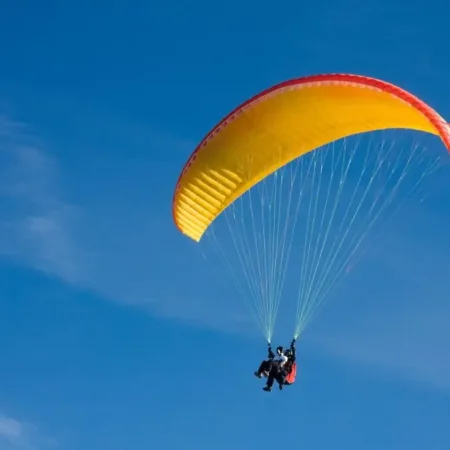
(107,338)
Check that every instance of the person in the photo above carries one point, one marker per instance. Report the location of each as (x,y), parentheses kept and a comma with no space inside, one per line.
(277,370)
(266,365)
(282,367)
(291,365)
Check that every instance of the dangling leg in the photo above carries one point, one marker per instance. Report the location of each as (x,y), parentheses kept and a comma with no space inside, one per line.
(264,367)
(268,386)
(272,376)
(281,379)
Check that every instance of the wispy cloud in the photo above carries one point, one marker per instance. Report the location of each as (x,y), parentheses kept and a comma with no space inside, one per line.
(10,429)
(402,331)
(36,224)
(20,435)
(412,346)
(105,249)
(133,255)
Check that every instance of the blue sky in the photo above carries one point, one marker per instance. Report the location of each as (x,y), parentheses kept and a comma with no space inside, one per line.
(107,339)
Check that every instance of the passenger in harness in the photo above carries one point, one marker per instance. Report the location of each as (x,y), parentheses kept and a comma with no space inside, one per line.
(273,362)
(266,365)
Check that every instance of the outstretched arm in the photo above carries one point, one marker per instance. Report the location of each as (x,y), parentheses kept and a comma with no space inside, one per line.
(271,354)
(293,348)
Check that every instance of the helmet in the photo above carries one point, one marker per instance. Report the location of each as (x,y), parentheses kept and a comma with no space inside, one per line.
(280,349)
(288,352)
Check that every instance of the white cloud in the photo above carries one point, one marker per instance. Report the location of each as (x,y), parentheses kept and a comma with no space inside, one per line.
(401,327)
(10,429)
(39,228)
(412,346)
(19,435)
(36,225)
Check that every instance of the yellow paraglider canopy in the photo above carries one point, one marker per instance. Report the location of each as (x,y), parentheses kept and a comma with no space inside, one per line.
(281,124)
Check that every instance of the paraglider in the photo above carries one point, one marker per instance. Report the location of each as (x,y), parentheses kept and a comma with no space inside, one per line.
(283,142)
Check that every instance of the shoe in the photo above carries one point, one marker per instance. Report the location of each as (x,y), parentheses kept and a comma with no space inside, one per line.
(281,387)
(258,375)
(267,389)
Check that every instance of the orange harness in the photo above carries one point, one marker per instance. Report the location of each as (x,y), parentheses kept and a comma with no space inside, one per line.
(290,378)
